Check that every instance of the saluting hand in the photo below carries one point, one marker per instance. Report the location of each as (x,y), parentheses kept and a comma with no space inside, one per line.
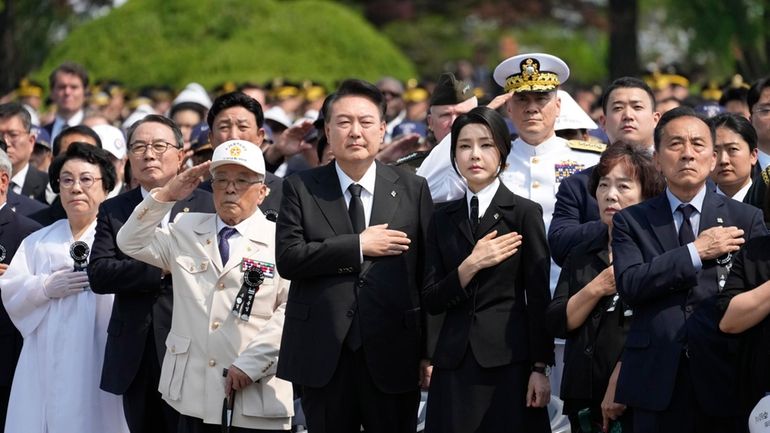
(183,184)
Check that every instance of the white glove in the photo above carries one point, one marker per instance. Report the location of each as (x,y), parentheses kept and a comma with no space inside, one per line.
(64,283)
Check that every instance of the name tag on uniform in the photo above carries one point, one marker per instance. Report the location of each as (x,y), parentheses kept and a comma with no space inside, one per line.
(268,269)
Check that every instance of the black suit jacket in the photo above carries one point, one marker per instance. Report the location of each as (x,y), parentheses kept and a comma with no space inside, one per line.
(673,304)
(13,229)
(50,214)
(34,184)
(23,205)
(143,299)
(500,314)
(317,250)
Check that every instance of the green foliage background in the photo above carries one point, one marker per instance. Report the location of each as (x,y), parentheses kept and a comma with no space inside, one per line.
(212,41)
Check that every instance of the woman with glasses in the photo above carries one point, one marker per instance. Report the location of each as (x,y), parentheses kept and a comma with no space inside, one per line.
(46,293)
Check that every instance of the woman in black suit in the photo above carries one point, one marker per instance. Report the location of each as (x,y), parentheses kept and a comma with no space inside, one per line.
(586,310)
(488,266)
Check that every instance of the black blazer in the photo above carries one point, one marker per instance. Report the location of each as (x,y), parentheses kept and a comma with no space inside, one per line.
(34,184)
(143,299)
(593,349)
(655,276)
(317,250)
(13,229)
(24,205)
(500,314)
(751,268)
(50,214)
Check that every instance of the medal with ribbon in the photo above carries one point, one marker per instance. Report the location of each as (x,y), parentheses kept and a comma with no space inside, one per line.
(79,252)
(252,279)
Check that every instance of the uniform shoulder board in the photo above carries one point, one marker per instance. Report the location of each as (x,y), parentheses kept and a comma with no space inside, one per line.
(586,146)
(766,175)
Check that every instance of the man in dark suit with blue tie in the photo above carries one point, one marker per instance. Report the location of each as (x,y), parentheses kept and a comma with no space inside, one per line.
(671,255)
(141,312)
(13,229)
(351,238)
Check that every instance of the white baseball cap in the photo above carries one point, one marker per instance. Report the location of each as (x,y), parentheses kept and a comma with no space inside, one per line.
(240,152)
(571,116)
(759,420)
(112,139)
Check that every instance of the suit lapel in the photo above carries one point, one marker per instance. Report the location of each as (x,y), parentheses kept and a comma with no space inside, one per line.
(328,195)
(713,212)
(387,194)
(181,206)
(458,211)
(662,222)
(503,201)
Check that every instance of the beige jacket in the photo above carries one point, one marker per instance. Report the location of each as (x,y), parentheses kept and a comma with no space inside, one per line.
(205,336)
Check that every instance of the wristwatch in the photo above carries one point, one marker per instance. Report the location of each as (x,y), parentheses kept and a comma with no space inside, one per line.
(545,370)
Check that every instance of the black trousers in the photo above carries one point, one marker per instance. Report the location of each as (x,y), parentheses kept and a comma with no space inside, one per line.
(684,414)
(188,424)
(145,410)
(472,398)
(351,400)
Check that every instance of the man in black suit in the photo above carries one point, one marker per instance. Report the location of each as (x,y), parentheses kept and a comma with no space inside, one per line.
(13,229)
(15,128)
(628,115)
(671,255)
(237,116)
(141,313)
(351,240)
(68,83)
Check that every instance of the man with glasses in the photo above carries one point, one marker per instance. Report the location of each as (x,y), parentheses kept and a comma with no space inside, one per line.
(141,312)
(229,299)
(15,129)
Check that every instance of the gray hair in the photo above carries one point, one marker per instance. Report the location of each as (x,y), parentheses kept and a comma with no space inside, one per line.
(5,163)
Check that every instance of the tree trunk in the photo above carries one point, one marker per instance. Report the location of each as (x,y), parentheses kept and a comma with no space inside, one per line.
(624,54)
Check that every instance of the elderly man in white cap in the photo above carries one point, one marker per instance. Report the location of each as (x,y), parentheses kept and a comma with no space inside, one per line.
(539,160)
(229,300)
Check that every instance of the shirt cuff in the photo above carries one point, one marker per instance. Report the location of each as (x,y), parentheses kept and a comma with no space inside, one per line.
(360,250)
(694,256)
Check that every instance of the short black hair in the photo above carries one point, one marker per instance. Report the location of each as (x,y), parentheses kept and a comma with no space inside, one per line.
(155,118)
(76,129)
(626,83)
(235,99)
(356,87)
(14,109)
(185,106)
(676,113)
(491,119)
(734,94)
(89,154)
(755,91)
(738,124)
(638,163)
(69,68)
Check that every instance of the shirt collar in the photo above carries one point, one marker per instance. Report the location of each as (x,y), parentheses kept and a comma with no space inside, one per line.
(696,202)
(485,196)
(741,194)
(76,119)
(19,177)
(240,227)
(367,180)
(549,145)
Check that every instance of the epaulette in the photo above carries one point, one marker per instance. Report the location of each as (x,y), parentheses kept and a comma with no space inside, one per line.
(766,175)
(586,146)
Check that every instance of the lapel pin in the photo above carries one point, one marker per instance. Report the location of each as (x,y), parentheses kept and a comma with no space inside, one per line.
(496,216)
(187,209)
(208,241)
(393,193)
(720,221)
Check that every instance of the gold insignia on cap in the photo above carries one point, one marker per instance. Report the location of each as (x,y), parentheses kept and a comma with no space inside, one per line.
(531,79)
(235,151)
(588,146)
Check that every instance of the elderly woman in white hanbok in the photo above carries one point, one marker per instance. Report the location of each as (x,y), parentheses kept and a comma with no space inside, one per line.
(56,385)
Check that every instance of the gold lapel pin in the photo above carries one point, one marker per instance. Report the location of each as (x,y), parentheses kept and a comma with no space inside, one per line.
(187,209)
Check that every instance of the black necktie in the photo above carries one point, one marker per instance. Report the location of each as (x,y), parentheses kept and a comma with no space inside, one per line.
(356,208)
(474,213)
(686,233)
(224,245)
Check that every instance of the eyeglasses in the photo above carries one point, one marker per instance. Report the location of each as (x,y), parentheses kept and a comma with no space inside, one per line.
(12,136)
(762,112)
(157,146)
(240,184)
(67,182)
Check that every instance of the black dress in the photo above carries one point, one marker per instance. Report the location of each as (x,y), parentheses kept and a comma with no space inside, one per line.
(593,349)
